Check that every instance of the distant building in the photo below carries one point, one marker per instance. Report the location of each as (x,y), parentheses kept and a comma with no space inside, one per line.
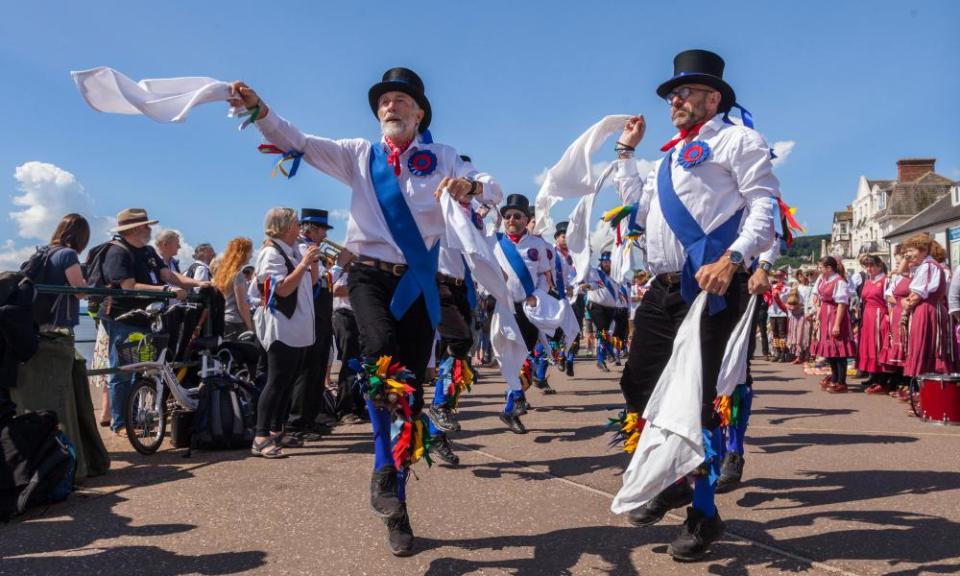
(941,220)
(883,206)
(840,235)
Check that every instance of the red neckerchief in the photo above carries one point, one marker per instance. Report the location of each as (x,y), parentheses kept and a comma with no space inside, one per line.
(516,237)
(565,252)
(684,133)
(394,157)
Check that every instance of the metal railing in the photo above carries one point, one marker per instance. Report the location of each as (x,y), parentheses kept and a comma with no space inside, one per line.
(121,293)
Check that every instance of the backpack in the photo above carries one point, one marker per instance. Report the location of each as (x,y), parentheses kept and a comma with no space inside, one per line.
(38,463)
(35,268)
(285,304)
(93,271)
(224,418)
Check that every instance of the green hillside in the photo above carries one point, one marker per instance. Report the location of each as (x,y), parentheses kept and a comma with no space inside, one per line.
(799,253)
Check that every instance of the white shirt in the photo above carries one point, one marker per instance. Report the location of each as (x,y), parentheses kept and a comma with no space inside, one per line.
(533,250)
(349,162)
(953,291)
(201,272)
(805,293)
(841,290)
(775,311)
(926,278)
(569,273)
(273,325)
(341,301)
(737,174)
(599,294)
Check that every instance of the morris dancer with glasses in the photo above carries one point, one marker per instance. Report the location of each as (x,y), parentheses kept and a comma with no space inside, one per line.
(706,207)
(395,228)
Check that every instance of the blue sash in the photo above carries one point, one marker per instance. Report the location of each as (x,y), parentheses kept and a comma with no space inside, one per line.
(626,295)
(606,282)
(517,263)
(701,248)
(558,264)
(421,275)
(468,282)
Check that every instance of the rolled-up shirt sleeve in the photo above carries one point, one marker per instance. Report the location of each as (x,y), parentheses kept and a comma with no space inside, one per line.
(841,292)
(753,170)
(492,193)
(926,280)
(337,158)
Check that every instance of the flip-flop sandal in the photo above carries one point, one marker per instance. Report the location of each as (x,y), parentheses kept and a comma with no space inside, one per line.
(286,441)
(267,449)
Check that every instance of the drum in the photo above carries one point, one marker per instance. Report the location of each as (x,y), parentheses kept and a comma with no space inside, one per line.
(940,398)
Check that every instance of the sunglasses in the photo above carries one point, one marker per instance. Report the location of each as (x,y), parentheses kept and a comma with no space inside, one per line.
(683,93)
(514,216)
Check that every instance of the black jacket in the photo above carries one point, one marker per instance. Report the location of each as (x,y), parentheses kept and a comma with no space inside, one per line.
(18,334)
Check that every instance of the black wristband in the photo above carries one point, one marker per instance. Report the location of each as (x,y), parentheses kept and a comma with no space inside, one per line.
(621,146)
(473,188)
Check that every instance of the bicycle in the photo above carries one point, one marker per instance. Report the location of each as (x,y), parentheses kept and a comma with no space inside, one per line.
(147,357)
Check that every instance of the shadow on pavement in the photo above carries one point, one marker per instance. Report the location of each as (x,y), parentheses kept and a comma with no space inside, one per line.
(792,442)
(786,414)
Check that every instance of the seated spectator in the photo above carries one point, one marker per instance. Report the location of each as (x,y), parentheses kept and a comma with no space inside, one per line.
(232,284)
(203,255)
(131,263)
(168,245)
(55,378)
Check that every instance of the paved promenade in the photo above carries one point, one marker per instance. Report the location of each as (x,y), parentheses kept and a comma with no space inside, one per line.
(834,484)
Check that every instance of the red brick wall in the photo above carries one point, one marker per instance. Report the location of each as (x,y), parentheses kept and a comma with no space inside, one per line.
(911,169)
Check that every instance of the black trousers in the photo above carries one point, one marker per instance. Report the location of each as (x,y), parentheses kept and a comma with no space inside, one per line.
(349,398)
(408,340)
(578,310)
(762,324)
(655,326)
(602,317)
(306,398)
(530,333)
(456,319)
(621,318)
(284,364)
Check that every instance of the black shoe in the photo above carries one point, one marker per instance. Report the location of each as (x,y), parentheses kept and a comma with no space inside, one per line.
(521,407)
(617,362)
(730,472)
(544,386)
(602,366)
(675,496)
(513,422)
(383,493)
(399,533)
(570,368)
(440,447)
(442,419)
(696,536)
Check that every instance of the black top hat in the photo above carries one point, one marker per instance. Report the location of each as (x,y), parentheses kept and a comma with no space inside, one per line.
(605,256)
(517,202)
(316,217)
(406,81)
(561,228)
(700,67)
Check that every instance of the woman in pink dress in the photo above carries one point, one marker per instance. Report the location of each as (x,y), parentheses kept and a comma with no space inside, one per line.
(835,342)
(874,326)
(928,348)
(895,352)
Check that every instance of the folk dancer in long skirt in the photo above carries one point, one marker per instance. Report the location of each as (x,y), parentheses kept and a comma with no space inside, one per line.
(874,326)
(835,342)
(929,347)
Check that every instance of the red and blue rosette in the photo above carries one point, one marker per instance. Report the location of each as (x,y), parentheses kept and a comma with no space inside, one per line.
(422,163)
(693,154)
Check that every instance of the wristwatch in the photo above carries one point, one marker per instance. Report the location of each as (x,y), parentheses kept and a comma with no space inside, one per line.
(766,266)
(736,258)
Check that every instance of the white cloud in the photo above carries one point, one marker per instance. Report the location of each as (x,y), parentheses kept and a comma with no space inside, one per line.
(540,178)
(782,149)
(47,193)
(602,237)
(340,214)
(11,256)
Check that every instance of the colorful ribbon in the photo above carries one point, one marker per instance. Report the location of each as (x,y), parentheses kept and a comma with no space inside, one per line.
(286,156)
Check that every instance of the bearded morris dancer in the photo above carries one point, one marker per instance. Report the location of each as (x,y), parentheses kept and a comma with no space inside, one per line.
(603,299)
(522,257)
(705,207)
(395,228)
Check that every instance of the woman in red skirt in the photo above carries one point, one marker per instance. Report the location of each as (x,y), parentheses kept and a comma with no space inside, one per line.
(895,352)
(928,348)
(835,342)
(874,326)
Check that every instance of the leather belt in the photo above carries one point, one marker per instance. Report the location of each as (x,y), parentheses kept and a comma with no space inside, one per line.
(377,264)
(668,278)
(449,280)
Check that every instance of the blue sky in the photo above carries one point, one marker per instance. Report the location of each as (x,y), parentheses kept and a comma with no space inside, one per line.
(853,85)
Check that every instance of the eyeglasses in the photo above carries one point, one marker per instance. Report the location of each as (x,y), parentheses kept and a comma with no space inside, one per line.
(683,93)
(513,216)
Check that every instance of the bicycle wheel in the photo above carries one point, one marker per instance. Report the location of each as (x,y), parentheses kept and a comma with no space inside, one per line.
(146,420)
